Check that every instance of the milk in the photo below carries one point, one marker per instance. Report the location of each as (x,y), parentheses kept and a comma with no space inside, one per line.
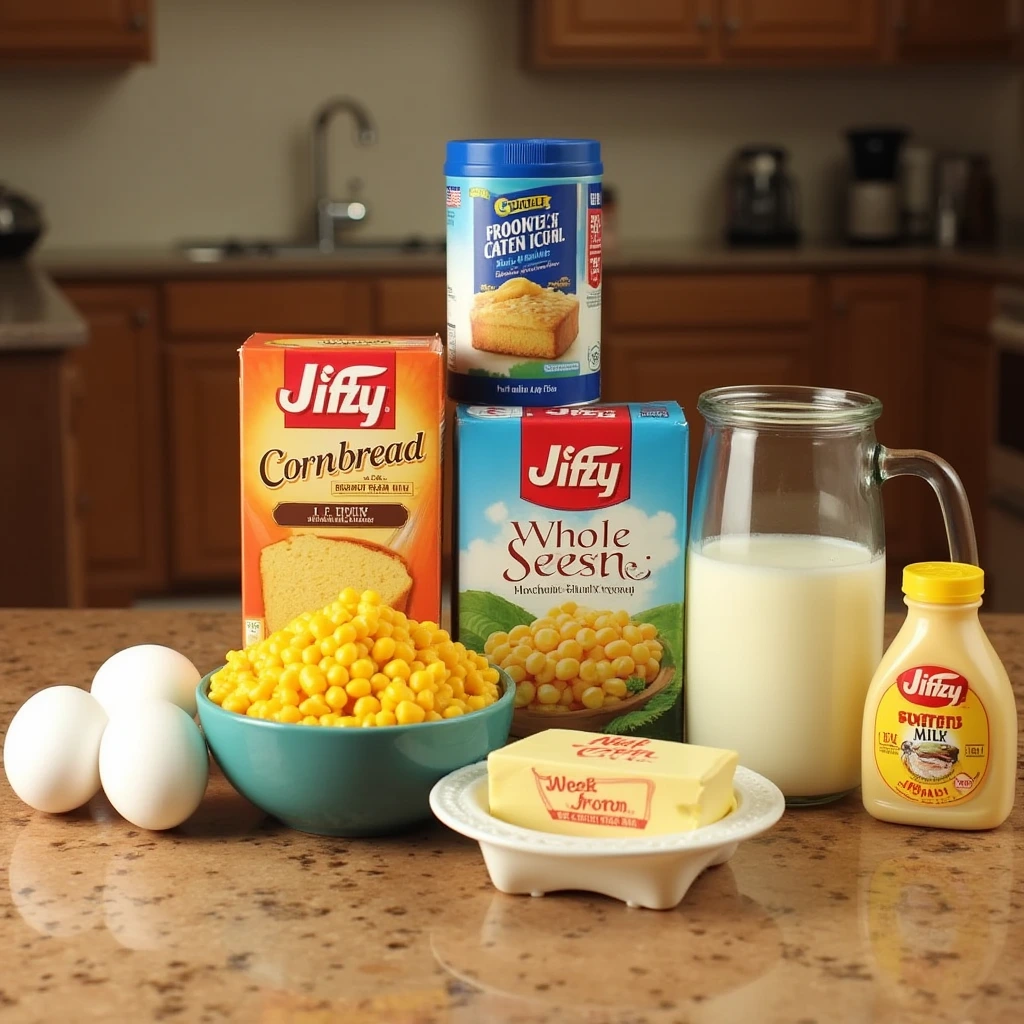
(784,633)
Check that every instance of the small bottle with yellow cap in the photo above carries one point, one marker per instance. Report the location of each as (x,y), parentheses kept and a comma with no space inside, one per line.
(939,739)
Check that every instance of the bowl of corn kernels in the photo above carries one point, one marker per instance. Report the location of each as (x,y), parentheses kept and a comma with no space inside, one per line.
(580,667)
(340,723)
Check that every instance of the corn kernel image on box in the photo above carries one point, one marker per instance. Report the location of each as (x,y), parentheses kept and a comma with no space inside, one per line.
(571,539)
(341,474)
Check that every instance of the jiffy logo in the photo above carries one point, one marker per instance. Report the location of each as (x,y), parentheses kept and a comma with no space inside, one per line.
(932,686)
(338,389)
(575,462)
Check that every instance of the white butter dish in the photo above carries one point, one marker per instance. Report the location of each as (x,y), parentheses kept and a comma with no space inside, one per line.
(653,871)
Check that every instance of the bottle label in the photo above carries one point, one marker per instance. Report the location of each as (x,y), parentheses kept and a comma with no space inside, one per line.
(932,737)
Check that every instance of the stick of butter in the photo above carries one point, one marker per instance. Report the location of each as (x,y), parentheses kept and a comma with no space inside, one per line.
(592,784)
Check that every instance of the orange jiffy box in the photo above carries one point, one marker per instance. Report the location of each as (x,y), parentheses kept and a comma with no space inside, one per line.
(341,474)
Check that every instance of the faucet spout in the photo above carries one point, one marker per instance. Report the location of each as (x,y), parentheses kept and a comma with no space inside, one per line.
(329,212)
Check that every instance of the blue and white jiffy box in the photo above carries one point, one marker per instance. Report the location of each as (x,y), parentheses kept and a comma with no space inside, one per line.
(570,528)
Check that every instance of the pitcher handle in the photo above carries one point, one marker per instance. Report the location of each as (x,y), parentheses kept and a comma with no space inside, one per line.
(944,481)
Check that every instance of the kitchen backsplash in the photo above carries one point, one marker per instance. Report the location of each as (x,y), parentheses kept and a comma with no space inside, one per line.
(213,138)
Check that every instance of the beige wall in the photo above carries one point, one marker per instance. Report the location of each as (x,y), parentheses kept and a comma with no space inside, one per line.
(213,137)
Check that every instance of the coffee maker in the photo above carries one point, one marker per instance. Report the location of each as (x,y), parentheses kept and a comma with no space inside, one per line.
(873,196)
(761,199)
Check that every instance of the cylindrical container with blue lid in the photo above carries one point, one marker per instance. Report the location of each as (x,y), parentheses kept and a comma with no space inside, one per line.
(524,271)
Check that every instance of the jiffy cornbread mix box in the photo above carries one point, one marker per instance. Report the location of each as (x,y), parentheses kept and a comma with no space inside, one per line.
(341,474)
(571,530)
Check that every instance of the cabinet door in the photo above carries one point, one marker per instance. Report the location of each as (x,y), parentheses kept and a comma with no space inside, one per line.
(952,28)
(603,33)
(876,345)
(801,28)
(654,367)
(75,30)
(120,426)
(204,457)
(959,422)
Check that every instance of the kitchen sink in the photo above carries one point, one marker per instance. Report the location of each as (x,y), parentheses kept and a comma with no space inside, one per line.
(218,250)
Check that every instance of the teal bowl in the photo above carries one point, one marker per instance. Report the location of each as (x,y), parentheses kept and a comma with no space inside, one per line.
(348,782)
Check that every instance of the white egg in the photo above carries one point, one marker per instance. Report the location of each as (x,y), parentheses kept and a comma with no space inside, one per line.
(146,671)
(153,764)
(51,753)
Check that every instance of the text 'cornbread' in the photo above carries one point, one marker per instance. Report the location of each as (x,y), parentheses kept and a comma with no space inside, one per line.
(341,474)
(522,319)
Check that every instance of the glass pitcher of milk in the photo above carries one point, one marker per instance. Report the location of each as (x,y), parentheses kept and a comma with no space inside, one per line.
(785,590)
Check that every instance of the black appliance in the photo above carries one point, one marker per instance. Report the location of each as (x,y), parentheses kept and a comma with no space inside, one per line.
(761,198)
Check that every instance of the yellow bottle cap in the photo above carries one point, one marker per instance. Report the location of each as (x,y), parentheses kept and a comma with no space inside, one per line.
(943,582)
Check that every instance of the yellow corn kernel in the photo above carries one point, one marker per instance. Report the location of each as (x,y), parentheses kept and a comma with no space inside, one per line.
(568,630)
(313,680)
(315,706)
(347,654)
(345,634)
(525,692)
(614,687)
(546,640)
(291,656)
(516,673)
(618,649)
(624,666)
(567,668)
(569,649)
(548,694)
(476,703)
(257,709)
(337,675)
(378,682)
(289,714)
(648,631)
(362,668)
(348,721)
(452,711)
(262,690)
(640,654)
(236,702)
(593,697)
(330,719)
(383,650)
(311,720)
(653,668)
(396,669)
(404,652)
(518,633)
(586,638)
(499,653)
(366,706)
(420,681)
(409,713)
(336,698)
(287,696)
(359,688)
(631,633)
(387,703)
(425,699)
(399,692)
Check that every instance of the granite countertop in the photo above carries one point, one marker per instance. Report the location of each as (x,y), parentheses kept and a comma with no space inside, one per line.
(34,315)
(830,917)
(166,261)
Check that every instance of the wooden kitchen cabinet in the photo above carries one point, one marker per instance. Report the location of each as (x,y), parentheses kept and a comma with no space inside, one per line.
(75,31)
(205,504)
(800,29)
(605,33)
(960,381)
(944,29)
(875,344)
(120,441)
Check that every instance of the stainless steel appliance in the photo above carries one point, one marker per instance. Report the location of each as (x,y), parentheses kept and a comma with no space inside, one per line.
(761,198)
(1006,458)
(873,196)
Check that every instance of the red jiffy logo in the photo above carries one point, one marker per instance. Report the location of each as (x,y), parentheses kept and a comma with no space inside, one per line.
(932,686)
(575,459)
(338,389)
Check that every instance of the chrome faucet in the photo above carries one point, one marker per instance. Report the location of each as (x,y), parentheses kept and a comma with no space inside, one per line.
(331,212)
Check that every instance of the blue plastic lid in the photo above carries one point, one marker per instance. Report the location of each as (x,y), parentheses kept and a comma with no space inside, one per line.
(524,158)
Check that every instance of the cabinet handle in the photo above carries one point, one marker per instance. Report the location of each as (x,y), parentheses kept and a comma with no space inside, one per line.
(140,317)
(732,25)
(138,22)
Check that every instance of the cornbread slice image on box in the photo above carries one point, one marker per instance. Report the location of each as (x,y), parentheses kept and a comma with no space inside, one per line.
(576,784)
(520,318)
(341,474)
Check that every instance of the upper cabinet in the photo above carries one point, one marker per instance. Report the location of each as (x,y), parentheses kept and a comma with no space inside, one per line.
(800,29)
(941,29)
(75,31)
(780,33)
(650,33)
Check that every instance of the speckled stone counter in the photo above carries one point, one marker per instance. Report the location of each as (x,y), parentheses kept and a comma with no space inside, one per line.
(34,315)
(830,917)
